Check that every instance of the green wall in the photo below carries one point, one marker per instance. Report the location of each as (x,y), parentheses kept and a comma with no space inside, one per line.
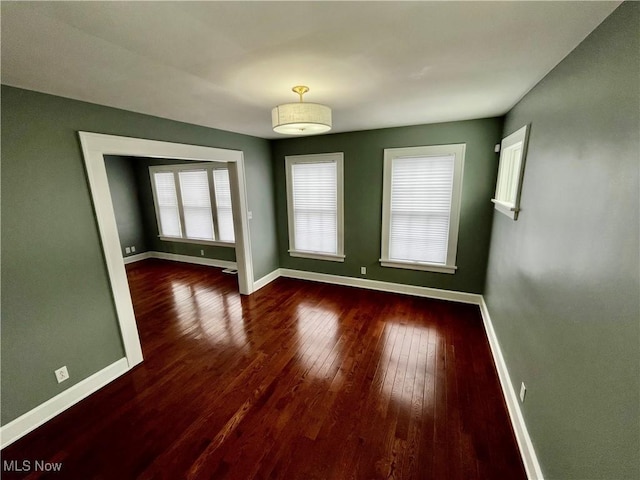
(563,281)
(132,197)
(126,203)
(363,171)
(56,301)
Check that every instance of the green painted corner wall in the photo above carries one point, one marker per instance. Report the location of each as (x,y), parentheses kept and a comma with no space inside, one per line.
(123,187)
(563,286)
(56,302)
(363,172)
(562,283)
(133,204)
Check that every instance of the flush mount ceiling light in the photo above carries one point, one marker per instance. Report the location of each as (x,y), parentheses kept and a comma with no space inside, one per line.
(301,118)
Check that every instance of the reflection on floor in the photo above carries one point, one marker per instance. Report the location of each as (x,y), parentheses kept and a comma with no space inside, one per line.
(297,381)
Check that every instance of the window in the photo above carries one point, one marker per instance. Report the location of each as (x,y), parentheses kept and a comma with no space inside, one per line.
(510,173)
(315,206)
(193,203)
(196,204)
(421,207)
(222,189)
(167,204)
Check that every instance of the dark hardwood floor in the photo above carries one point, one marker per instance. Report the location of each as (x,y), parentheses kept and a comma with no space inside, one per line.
(300,380)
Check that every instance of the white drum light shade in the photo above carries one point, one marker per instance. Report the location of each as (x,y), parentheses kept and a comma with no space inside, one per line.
(301,118)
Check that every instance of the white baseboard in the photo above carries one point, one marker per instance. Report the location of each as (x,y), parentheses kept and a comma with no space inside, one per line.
(267,279)
(436,293)
(31,420)
(209,262)
(137,257)
(528,453)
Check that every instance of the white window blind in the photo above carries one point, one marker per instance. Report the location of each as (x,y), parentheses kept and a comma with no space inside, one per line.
(315,203)
(193,203)
(167,203)
(223,205)
(420,208)
(315,206)
(196,204)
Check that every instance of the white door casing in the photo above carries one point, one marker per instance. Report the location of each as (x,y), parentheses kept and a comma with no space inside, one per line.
(94,147)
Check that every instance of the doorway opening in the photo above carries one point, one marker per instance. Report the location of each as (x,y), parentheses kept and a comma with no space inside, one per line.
(94,147)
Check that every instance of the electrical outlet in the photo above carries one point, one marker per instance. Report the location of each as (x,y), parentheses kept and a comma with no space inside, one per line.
(202,252)
(62,374)
(133,249)
(127,250)
(363,270)
(523,392)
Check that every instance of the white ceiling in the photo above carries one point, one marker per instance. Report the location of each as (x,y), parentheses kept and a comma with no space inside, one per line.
(226,64)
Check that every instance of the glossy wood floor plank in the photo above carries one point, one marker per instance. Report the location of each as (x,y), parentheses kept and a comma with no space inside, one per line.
(298,381)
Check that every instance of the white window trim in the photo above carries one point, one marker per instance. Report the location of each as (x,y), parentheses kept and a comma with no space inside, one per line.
(458,150)
(217,243)
(209,167)
(424,266)
(511,209)
(338,159)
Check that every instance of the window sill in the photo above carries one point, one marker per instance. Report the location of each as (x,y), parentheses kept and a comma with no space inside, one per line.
(317,256)
(507,208)
(427,267)
(197,242)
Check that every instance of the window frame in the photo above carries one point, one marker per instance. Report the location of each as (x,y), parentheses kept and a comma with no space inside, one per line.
(458,151)
(509,178)
(338,159)
(209,167)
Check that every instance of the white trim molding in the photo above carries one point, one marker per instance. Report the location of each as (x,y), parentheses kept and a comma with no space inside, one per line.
(209,262)
(266,280)
(317,256)
(527,452)
(137,257)
(31,420)
(378,285)
(94,147)
(215,243)
(428,267)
